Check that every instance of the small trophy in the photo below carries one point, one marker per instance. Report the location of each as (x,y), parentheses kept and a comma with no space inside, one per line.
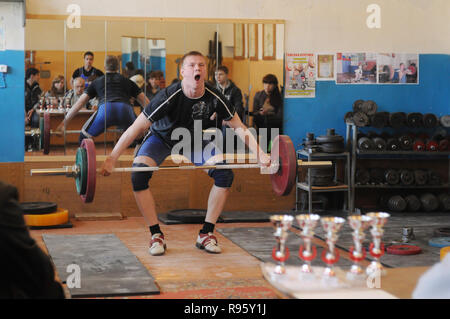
(280,252)
(357,253)
(307,252)
(378,220)
(331,225)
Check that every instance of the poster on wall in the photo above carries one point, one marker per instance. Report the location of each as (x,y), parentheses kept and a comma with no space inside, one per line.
(325,67)
(356,68)
(300,75)
(395,68)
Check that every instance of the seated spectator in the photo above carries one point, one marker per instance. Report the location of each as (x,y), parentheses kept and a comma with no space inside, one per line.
(57,90)
(152,87)
(26,272)
(72,96)
(267,105)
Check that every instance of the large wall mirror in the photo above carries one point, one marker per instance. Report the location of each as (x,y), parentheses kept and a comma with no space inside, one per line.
(151,49)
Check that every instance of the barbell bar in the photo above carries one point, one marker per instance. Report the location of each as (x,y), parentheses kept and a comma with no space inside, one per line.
(282,171)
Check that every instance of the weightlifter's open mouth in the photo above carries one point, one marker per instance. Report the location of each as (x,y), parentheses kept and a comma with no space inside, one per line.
(197,77)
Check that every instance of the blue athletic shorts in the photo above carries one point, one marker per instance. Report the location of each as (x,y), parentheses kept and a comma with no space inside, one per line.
(155,148)
(117,114)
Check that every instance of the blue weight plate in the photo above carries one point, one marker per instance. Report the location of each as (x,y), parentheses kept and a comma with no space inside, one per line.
(439,242)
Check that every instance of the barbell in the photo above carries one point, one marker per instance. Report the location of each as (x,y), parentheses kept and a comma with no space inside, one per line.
(46,132)
(283,169)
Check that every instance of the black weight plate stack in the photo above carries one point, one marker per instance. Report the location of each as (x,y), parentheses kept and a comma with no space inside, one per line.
(322,176)
(369,107)
(413,203)
(396,203)
(434,178)
(366,144)
(361,119)
(362,176)
(430,120)
(406,142)
(376,176)
(406,177)
(393,144)
(421,177)
(392,177)
(397,119)
(357,106)
(414,120)
(331,143)
(38,208)
(379,119)
(429,202)
(380,143)
(444,202)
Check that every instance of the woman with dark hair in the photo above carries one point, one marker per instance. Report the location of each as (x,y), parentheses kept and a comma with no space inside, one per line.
(268,105)
(152,86)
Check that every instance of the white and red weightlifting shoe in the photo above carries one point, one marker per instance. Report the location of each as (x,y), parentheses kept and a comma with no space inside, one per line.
(157,245)
(209,243)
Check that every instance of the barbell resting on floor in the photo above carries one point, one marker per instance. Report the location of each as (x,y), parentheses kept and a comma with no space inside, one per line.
(283,170)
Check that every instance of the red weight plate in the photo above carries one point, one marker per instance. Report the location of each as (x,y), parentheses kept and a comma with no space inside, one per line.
(432,146)
(284,179)
(89,146)
(419,145)
(403,250)
(46,133)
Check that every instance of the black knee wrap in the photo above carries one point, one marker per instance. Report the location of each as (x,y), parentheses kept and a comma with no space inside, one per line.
(222,177)
(140,179)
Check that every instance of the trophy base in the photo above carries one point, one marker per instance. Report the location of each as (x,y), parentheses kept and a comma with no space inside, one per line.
(294,279)
(297,284)
(375,267)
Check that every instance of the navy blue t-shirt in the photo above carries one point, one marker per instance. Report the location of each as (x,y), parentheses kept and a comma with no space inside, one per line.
(171,109)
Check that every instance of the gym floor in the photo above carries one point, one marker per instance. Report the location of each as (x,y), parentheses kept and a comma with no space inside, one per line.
(186,272)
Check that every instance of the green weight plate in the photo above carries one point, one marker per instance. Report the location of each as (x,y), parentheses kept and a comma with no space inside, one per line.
(81,179)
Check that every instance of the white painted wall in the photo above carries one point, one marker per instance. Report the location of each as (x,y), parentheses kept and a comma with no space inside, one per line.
(11,20)
(311,25)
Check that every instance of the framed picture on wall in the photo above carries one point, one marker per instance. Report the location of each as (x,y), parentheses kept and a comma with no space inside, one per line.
(356,68)
(398,68)
(252,41)
(239,38)
(326,67)
(269,41)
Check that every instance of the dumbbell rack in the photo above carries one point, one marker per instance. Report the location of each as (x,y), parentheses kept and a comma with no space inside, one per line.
(352,146)
(340,187)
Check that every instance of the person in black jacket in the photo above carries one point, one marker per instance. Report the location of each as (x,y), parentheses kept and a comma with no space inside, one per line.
(229,90)
(25,270)
(32,95)
(268,105)
(233,94)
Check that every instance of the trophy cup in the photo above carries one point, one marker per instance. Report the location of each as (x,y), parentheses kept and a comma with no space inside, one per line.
(357,253)
(331,225)
(307,252)
(280,252)
(376,249)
